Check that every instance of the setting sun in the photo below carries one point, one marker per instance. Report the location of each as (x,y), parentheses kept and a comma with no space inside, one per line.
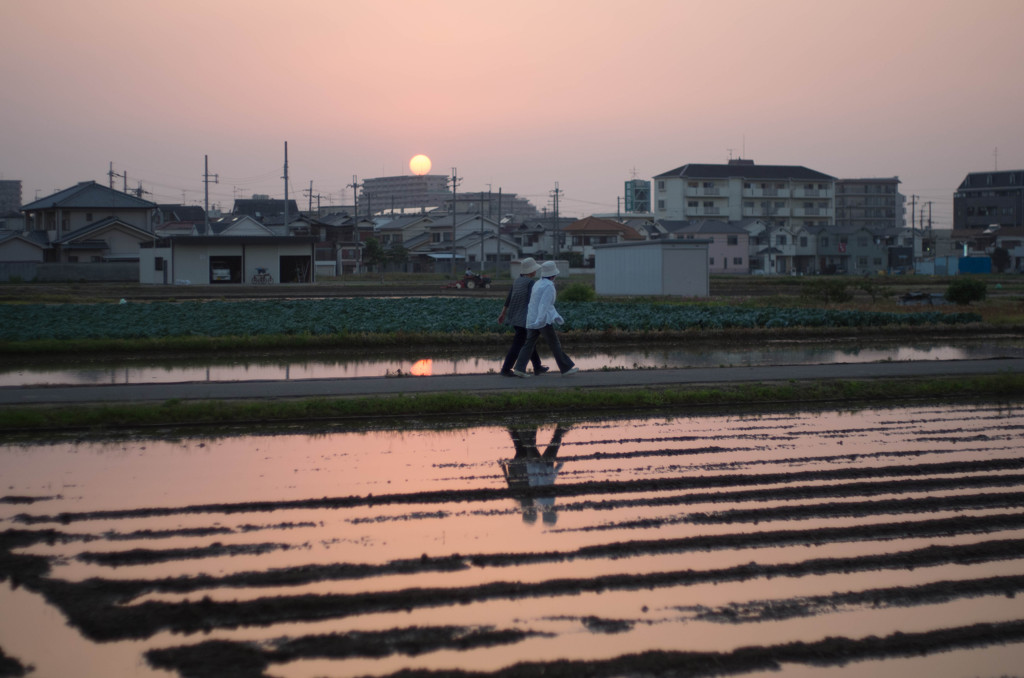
(420,164)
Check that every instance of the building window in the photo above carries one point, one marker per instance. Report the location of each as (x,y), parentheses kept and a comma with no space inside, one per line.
(803,241)
(158,263)
(780,240)
(661,185)
(733,240)
(738,261)
(661,204)
(692,203)
(824,242)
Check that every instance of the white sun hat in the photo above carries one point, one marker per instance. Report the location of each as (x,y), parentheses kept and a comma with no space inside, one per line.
(528,265)
(548,269)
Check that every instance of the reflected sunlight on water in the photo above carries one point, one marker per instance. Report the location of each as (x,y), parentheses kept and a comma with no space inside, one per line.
(288,368)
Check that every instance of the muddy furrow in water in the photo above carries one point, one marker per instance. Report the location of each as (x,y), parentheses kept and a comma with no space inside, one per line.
(831,652)
(89,608)
(566,490)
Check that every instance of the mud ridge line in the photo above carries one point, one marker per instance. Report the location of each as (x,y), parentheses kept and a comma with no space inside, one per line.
(937,527)
(101,619)
(828,652)
(255,660)
(859,489)
(893,596)
(569,490)
(305,574)
(972,502)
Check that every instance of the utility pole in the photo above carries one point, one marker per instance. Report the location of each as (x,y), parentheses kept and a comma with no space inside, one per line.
(497,257)
(455,184)
(285,177)
(355,195)
(554,228)
(206,191)
(913,228)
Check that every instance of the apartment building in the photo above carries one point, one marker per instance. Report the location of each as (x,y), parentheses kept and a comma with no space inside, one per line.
(422,191)
(869,203)
(782,195)
(10,196)
(986,199)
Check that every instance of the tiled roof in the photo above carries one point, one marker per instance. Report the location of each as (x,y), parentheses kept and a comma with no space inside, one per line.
(89,195)
(598,225)
(746,171)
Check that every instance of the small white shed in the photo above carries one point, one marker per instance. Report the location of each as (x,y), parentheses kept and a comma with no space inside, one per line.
(652,268)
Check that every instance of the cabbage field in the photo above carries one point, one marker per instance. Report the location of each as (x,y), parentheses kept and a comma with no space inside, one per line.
(409,315)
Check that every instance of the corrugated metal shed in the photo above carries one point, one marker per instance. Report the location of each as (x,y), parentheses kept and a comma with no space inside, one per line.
(653,268)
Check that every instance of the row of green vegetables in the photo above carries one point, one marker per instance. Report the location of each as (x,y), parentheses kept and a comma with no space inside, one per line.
(411,315)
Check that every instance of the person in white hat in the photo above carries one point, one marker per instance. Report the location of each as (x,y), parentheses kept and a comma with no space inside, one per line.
(514,313)
(541,317)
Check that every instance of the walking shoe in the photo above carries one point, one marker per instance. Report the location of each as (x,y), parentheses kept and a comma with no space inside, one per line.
(524,375)
(571,370)
(507,373)
(541,370)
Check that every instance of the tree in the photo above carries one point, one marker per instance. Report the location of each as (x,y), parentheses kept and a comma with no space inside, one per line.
(374,254)
(963,291)
(1001,259)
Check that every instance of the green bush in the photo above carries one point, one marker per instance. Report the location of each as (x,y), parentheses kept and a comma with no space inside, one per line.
(963,291)
(577,292)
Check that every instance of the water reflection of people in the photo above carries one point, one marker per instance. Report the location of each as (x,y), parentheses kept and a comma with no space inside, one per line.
(530,469)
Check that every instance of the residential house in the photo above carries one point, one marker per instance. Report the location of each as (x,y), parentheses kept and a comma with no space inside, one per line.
(778,248)
(582,235)
(263,207)
(107,240)
(85,204)
(477,244)
(785,195)
(17,247)
(728,245)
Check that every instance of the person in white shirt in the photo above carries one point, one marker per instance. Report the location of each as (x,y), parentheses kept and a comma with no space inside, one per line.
(541,317)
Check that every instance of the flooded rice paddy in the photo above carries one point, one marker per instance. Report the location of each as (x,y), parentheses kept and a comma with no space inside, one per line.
(866,542)
(323,365)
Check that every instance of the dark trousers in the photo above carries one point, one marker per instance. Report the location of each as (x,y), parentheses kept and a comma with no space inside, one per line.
(513,352)
(551,338)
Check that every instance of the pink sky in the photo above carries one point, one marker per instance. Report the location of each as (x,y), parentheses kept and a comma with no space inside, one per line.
(516,95)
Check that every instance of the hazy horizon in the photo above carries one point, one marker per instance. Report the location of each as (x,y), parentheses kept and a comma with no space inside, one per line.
(517,96)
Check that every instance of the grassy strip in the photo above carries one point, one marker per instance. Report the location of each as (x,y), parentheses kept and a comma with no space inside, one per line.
(399,410)
(235,345)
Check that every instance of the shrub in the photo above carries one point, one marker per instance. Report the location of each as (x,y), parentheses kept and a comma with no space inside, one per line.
(874,289)
(577,292)
(963,291)
(827,290)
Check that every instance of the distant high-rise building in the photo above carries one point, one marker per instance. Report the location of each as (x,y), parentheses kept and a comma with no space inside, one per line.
(403,192)
(872,203)
(989,198)
(491,204)
(10,195)
(638,196)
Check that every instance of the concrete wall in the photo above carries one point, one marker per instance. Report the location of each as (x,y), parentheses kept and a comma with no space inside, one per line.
(119,271)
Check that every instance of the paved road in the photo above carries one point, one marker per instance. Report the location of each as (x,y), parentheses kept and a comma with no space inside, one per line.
(375,386)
